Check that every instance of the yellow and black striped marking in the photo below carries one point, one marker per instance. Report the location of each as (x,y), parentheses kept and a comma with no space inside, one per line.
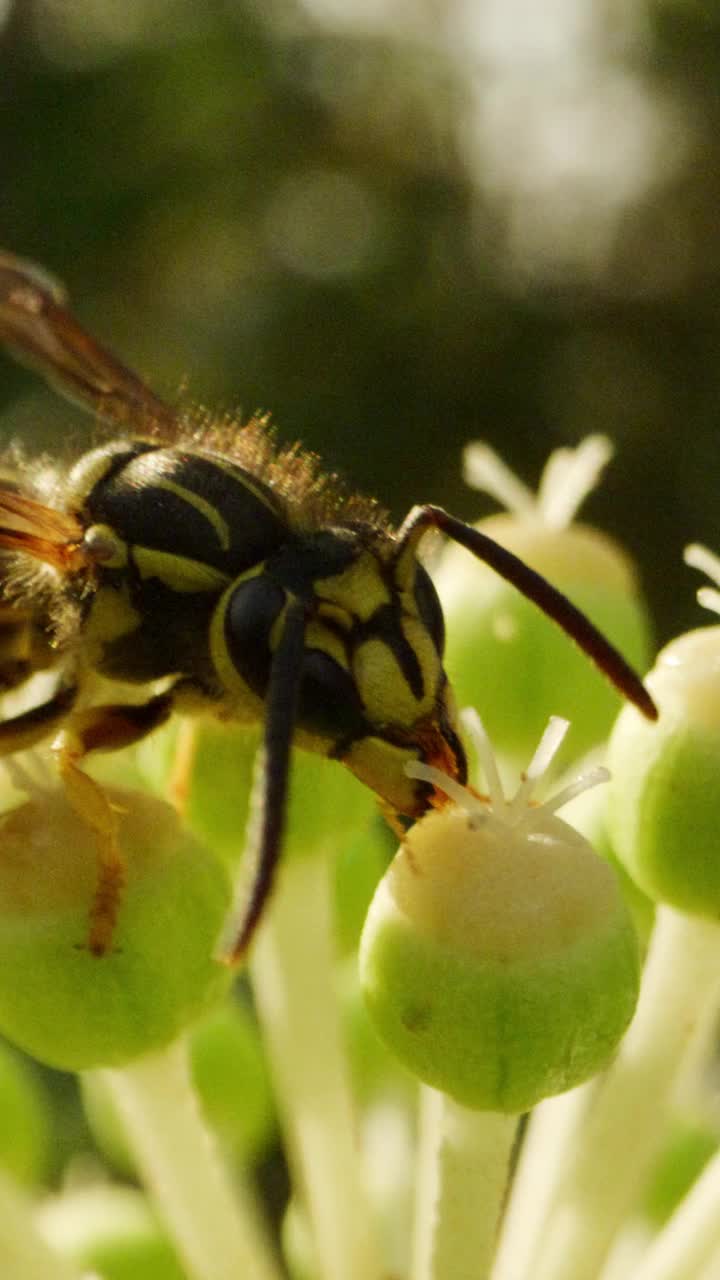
(241,576)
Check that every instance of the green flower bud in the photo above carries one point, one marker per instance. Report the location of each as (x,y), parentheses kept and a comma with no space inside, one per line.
(215,787)
(664,806)
(503,654)
(327,806)
(213,780)
(112,1232)
(231,1076)
(68,1007)
(24,1119)
(685,1155)
(375,1071)
(210,779)
(587,813)
(359,863)
(498,960)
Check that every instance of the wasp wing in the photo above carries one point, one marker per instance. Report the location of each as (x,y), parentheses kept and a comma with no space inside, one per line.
(39,330)
(41,532)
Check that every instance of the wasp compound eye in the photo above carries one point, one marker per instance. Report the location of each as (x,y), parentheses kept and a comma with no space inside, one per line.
(329,700)
(252,610)
(429,608)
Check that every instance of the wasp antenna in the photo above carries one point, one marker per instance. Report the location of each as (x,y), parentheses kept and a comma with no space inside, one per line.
(536,588)
(268,825)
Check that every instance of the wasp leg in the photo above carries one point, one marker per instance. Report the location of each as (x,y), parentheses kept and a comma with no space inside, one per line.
(24,648)
(92,805)
(30,727)
(104,728)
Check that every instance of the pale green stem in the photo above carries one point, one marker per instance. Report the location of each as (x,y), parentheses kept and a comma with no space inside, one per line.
(691,1237)
(552,1127)
(464,1162)
(627,1250)
(712,1270)
(24,1255)
(211,1219)
(614,1149)
(292,969)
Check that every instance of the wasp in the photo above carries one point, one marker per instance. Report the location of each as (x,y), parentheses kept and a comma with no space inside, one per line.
(221,573)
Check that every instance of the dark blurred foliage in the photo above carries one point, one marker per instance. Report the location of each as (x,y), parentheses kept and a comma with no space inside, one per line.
(289,209)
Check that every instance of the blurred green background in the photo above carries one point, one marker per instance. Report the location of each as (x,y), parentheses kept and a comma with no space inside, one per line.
(397,224)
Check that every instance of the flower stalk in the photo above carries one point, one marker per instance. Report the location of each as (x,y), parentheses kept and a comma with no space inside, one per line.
(292,967)
(499,966)
(462,1176)
(211,1218)
(543,1154)
(613,1150)
(691,1238)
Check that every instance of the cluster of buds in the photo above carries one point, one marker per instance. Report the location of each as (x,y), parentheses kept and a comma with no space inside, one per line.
(496,953)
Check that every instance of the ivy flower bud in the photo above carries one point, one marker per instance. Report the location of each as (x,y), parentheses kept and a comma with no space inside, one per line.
(503,654)
(664,807)
(213,779)
(687,1150)
(25,1120)
(498,960)
(66,1006)
(587,813)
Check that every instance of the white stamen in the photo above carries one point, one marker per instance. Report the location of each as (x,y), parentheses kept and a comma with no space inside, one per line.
(463,798)
(584,782)
(486,757)
(569,476)
(546,749)
(700,557)
(517,812)
(556,729)
(709,598)
(485,470)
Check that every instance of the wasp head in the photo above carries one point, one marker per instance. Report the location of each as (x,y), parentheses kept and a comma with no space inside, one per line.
(372,689)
